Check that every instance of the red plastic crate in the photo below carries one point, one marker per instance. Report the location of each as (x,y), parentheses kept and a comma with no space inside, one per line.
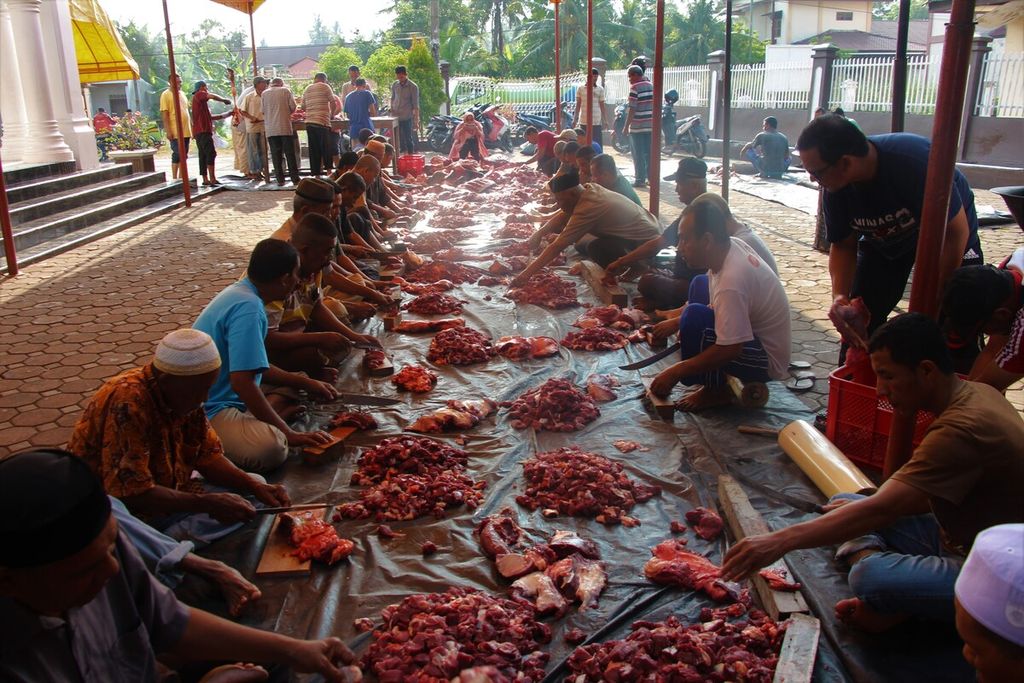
(859,421)
(411,163)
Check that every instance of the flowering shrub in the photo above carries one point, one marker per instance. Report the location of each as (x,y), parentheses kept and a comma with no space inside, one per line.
(134,133)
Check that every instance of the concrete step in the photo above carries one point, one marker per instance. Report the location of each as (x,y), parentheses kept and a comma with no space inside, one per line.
(51,227)
(82,196)
(122,220)
(40,187)
(20,173)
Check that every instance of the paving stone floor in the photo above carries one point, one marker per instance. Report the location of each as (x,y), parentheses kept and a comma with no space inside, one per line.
(81,317)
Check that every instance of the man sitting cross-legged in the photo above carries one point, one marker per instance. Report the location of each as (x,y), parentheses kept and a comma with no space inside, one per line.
(737,319)
(252,431)
(906,543)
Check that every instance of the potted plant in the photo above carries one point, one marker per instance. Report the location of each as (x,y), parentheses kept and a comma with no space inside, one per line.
(135,139)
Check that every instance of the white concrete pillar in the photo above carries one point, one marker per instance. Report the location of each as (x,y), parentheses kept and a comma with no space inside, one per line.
(45,144)
(12,102)
(65,89)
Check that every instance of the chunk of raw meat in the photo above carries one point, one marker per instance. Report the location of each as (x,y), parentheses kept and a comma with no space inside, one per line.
(500,533)
(415,378)
(455,416)
(566,543)
(313,538)
(434,304)
(595,339)
(519,348)
(421,326)
(624,446)
(460,346)
(673,564)
(778,579)
(538,589)
(556,405)
(353,418)
(705,523)
(602,387)
(546,289)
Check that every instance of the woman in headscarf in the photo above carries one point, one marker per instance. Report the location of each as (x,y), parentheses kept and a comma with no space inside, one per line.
(469,140)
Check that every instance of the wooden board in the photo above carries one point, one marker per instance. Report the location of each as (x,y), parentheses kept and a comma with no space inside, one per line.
(745,521)
(748,394)
(799,649)
(665,408)
(391,320)
(338,434)
(608,294)
(386,368)
(277,558)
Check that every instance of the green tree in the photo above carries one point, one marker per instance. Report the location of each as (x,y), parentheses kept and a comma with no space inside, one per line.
(319,34)
(412,19)
(335,61)
(636,36)
(150,53)
(380,67)
(364,46)
(890,11)
(424,72)
(535,41)
(468,56)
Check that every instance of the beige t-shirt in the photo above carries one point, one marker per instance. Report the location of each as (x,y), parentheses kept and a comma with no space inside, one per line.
(252,105)
(597,102)
(971,465)
(603,213)
(167,105)
(316,101)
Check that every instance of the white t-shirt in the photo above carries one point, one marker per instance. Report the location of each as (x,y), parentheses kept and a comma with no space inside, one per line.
(757,244)
(597,102)
(749,301)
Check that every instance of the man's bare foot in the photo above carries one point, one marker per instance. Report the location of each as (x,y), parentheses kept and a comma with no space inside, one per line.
(236,673)
(855,612)
(238,591)
(704,398)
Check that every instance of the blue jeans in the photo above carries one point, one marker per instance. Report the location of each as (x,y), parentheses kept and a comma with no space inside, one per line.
(161,553)
(697,332)
(758,161)
(912,574)
(256,149)
(641,149)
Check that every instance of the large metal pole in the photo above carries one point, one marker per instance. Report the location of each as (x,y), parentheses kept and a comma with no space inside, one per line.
(654,167)
(175,85)
(727,102)
(252,42)
(558,74)
(924,294)
(899,76)
(590,65)
(5,228)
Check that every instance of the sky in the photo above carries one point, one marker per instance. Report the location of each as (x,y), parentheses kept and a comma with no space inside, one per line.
(278,22)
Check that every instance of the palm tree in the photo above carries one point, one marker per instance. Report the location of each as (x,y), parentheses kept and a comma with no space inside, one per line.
(637,35)
(536,40)
(501,15)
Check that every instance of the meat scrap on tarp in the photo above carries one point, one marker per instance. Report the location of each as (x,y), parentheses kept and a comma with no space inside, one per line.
(595,339)
(571,481)
(456,415)
(415,378)
(546,289)
(520,348)
(434,304)
(673,564)
(705,523)
(424,326)
(556,405)
(353,418)
(460,346)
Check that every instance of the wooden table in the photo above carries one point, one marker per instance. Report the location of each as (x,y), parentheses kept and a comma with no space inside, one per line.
(379,122)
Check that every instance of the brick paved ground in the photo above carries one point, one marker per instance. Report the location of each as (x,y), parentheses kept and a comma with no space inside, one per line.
(84,316)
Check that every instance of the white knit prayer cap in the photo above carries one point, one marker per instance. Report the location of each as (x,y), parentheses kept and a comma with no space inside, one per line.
(186,352)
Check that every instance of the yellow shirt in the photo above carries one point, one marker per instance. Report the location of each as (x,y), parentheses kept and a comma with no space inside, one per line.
(167,105)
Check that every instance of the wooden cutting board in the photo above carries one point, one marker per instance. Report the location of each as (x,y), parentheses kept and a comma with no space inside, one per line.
(608,294)
(277,558)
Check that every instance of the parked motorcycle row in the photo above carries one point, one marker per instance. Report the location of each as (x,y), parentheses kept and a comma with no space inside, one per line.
(685,137)
(497,131)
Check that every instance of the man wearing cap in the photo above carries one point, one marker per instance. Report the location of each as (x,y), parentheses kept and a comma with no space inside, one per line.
(990,604)
(250,425)
(278,104)
(255,130)
(906,543)
(144,433)
(544,141)
(77,603)
(202,129)
(768,151)
(602,224)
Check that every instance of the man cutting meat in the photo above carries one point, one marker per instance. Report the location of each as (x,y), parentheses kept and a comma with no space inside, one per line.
(602,224)
(737,321)
(906,543)
(873,200)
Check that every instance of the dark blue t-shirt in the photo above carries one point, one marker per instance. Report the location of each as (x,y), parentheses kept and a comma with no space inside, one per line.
(357,109)
(886,212)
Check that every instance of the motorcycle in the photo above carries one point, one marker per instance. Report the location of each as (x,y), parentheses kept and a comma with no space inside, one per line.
(441,132)
(691,137)
(620,141)
(668,121)
(496,129)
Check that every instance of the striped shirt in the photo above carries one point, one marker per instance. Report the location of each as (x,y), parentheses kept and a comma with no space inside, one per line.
(316,101)
(641,103)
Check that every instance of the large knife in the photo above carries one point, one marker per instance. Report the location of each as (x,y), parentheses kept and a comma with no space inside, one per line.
(363,400)
(652,359)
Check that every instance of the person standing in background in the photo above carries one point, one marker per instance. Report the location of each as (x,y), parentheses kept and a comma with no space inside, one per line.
(596,104)
(638,123)
(278,105)
(255,135)
(179,150)
(320,106)
(405,105)
(202,128)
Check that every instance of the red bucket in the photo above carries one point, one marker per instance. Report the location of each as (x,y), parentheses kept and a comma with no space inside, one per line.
(411,164)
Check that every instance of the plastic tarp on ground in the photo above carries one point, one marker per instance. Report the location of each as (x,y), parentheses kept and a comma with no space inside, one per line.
(684,458)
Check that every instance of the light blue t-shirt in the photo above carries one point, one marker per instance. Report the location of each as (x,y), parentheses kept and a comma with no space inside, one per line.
(237,321)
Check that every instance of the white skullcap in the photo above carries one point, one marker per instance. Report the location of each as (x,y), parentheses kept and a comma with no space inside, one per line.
(569,135)
(991,583)
(186,352)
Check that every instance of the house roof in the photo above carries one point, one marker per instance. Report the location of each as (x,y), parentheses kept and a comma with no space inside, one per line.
(863,41)
(286,54)
(919,30)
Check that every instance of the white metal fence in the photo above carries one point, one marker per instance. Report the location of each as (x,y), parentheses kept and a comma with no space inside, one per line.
(1001,91)
(865,84)
(782,85)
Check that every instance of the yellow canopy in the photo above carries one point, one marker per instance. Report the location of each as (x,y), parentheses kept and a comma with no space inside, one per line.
(102,55)
(247,6)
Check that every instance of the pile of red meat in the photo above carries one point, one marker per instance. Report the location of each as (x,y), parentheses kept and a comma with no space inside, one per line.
(555,406)
(374,360)
(673,564)
(423,326)
(459,346)
(353,418)
(456,415)
(436,637)
(430,242)
(550,576)
(626,319)
(442,270)
(428,288)
(546,289)
(571,481)
(595,339)
(705,523)
(713,650)
(434,304)
(520,348)
(409,477)
(313,538)
(520,231)
(415,378)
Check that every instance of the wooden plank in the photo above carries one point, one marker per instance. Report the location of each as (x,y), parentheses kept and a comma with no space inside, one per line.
(799,649)
(277,558)
(608,294)
(745,521)
(391,320)
(385,369)
(338,434)
(665,408)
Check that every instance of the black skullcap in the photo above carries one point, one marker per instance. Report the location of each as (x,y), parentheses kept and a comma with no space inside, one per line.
(563,182)
(51,507)
(315,190)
